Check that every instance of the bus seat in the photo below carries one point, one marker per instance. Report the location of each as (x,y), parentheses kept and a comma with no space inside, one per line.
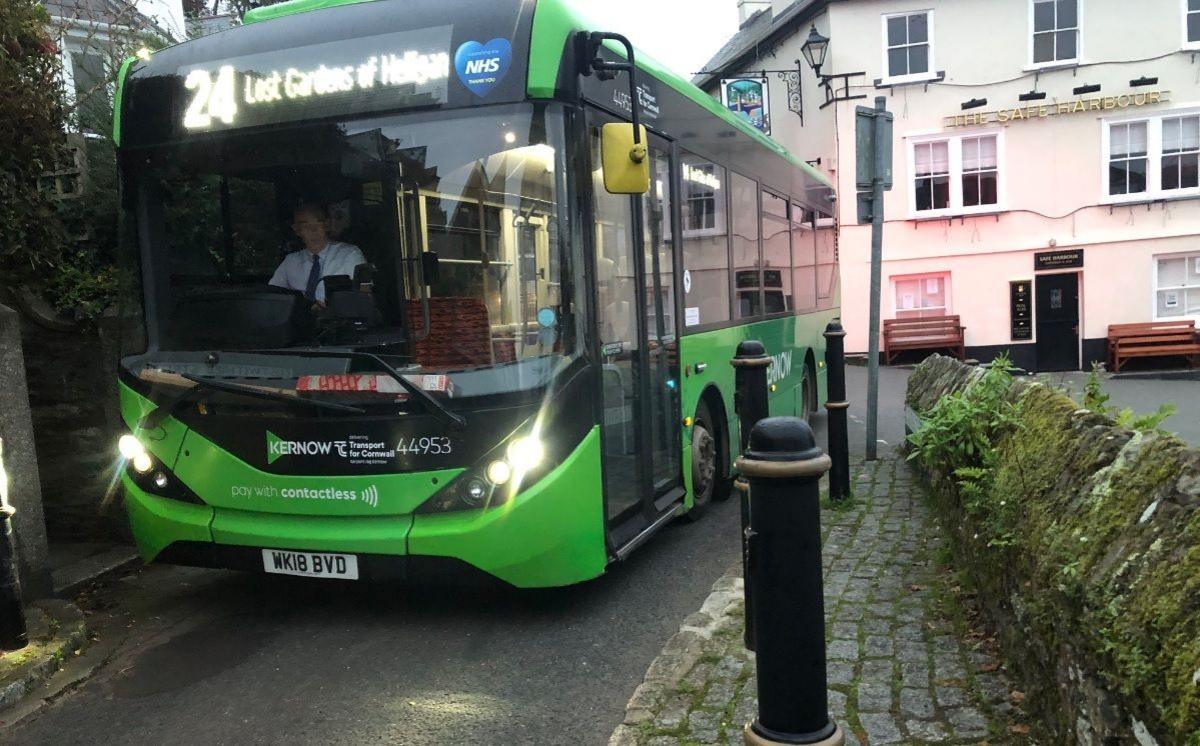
(459,333)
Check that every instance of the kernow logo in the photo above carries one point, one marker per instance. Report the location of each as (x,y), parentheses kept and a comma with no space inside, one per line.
(781,367)
(277,446)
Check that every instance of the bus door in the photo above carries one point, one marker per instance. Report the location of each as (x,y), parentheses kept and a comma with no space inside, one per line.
(635,301)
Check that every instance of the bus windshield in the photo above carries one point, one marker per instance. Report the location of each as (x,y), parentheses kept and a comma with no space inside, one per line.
(437,240)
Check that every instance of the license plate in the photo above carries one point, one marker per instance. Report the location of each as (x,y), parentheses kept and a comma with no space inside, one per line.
(311,564)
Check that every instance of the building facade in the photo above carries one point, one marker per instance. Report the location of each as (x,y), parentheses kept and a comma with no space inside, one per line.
(1046,159)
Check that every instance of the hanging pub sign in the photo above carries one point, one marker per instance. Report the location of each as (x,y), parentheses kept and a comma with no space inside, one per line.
(748,98)
(1020,310)
(1070,259)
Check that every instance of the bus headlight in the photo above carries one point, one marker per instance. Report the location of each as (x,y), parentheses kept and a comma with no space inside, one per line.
(525,453)
(495,479)
(142,462)
(130,447)
(150,474)
(499,472)
(135,453)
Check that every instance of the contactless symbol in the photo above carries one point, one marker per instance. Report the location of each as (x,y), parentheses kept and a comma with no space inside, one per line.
(481,67)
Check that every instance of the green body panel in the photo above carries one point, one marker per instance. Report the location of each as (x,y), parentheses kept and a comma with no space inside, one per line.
(292,7)
(384,534)
(226,481)
(554,21)
(552,534)
(121,73)
(164,441)
(801,335)
(157,521)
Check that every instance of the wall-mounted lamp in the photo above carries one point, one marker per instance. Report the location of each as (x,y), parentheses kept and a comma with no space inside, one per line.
(814,49)
(1142,81)
(1032,96)
(974,103)
(1080,90)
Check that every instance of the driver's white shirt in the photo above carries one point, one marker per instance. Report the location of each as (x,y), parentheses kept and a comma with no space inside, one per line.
(337,258)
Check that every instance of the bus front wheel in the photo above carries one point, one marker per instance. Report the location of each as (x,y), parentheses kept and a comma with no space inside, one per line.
(808,393)
(706,452)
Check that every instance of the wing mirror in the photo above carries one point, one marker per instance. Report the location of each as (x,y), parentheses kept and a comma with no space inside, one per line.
(623,152)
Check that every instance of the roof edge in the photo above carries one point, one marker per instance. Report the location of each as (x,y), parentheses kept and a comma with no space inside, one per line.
(794,15)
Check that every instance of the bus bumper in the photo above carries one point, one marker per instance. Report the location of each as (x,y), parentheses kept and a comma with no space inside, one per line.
(552,534)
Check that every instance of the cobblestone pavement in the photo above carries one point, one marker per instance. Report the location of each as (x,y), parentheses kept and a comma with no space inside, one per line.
(905,664)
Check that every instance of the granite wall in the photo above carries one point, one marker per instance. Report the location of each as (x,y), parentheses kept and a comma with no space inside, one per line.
(1085,550)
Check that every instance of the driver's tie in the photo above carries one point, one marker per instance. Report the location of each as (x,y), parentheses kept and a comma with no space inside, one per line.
(314,277)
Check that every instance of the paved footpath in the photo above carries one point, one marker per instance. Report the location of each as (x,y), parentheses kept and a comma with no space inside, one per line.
(905,662)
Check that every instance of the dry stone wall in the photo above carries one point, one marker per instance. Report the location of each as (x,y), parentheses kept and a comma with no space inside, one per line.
(1086,552)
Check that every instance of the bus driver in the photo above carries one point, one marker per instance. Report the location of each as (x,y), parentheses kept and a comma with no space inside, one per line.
(320,257)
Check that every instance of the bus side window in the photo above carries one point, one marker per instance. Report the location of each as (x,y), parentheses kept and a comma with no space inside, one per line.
(705,242)
(777,256)
(804,259)
(827,261)
(747,260)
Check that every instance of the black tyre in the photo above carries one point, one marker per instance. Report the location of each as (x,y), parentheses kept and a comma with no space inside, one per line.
(808,393)
(708,480)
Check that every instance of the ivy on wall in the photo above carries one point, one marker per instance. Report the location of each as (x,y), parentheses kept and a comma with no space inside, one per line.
(33,144)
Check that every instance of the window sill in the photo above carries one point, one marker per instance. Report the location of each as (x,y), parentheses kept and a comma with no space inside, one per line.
(1041,67)
(918,217)
(1150,199)
(885,83)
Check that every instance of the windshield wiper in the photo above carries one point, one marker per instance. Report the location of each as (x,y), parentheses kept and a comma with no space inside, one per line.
(154,418)
(432,405)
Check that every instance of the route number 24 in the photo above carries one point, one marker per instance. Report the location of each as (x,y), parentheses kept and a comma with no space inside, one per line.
(213,99)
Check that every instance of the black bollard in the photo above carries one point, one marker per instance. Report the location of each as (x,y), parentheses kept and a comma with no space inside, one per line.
(12,616)
(750,365)
(783,465)
(836,404)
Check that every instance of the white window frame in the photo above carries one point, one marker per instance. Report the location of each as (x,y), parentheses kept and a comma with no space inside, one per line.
(1188,256)
(947,291)
(720,197)
(954,148)
(1077,59)
(1186,43)
(1154,154)
(929,74)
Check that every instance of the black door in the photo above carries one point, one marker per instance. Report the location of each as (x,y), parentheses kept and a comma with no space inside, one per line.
(635,301)
(1056,312)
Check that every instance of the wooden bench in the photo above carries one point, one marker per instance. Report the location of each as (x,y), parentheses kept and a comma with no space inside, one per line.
(1152,339)
(930,333)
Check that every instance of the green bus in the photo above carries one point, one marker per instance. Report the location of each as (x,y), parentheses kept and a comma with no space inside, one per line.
(391,322)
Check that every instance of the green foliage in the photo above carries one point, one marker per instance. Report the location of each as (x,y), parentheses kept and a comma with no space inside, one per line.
(959,431)
(31,118)
(1062,525)
(1094,396)
(1095,399)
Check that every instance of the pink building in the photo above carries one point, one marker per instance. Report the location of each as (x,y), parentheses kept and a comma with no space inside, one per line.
(1046,159)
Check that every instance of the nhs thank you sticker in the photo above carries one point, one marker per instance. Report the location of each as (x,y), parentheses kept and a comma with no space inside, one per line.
(481,67)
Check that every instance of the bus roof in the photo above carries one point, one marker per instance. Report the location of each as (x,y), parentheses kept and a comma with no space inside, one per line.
(553,23)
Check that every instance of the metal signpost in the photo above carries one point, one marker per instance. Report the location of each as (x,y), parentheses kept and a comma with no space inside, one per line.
(873,151)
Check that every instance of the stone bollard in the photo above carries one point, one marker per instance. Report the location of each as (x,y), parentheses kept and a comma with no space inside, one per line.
(836,404)
(783,466)
(750,363)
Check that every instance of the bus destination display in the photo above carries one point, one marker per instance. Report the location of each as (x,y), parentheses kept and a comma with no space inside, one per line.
(396,70)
